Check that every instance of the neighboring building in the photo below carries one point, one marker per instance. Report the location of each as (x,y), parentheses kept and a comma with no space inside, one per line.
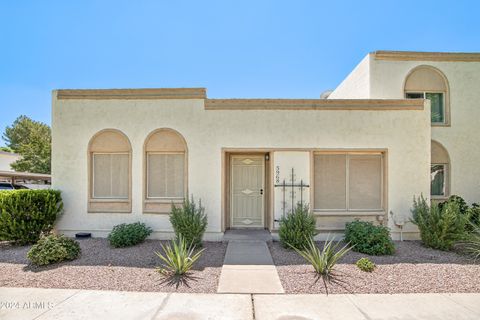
(20,179)
(121,156)
(6,159)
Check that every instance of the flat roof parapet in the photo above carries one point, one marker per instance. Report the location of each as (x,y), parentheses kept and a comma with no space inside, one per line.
(160,93)
(426,56)
(314,104)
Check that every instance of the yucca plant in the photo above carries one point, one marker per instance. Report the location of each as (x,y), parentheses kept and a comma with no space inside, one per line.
(323,261)
(178,257)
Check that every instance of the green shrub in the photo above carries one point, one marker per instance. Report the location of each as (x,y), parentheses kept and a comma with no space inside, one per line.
(365,264)
(471,245)
(25,215)
(462,205)
(53,249)
(125,235)
(472,213)
(323,261)
(297,228)
(365,237)
(473,216)
(178,257)
(189,221)
(440,226)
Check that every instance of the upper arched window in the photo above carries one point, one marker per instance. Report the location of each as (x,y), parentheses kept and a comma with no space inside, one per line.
(439,171)
(426,82)
(165,155)
(109,153)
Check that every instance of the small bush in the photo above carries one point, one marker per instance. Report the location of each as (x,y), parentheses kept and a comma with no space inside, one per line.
(473,216)
(297,228)
(471,246)
(365,264)
(365,237)
(459,201)
(440,226)
(125,235)
(27,214)
(53,249)
(323,261)
(178,257)
(471,213)
(189,221)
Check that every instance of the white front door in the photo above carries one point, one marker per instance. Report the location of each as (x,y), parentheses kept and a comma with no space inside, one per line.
(247,191)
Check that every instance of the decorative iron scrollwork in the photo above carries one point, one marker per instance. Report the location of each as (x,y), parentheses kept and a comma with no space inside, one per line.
(292,188)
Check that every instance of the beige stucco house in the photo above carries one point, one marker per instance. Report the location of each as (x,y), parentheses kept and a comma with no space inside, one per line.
(400,125)
(6,159)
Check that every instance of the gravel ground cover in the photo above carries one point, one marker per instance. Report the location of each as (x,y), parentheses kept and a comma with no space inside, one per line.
(105,268)
(413,269)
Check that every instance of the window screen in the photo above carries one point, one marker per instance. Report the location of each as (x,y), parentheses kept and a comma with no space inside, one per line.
(110,176)
(348,182)
(165,175)
(329,181)
(365,182)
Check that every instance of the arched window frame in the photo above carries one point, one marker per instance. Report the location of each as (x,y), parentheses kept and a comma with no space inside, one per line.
(446,92)
(447,170)
(107,204)
(163,204)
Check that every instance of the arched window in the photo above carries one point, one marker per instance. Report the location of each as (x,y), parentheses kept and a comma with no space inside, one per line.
(165,154)
(439,171)
(426,82)
(109,154)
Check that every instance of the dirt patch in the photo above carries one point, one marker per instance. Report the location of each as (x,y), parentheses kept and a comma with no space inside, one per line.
(412,269)
(102,267)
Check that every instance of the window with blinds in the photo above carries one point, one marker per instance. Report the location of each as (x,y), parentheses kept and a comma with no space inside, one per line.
(426,82)
(110,175)
(439,171)
(165,175)
(348,182)
(437,103)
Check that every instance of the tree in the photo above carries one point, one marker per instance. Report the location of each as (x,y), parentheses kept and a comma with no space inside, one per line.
(32,140)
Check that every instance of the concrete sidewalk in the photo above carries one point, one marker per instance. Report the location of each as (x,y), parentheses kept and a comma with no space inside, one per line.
(34,303)
(248,268)
(60,304)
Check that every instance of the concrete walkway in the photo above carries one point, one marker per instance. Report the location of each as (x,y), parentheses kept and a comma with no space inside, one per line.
(248,266)
(245,234)
(59,304)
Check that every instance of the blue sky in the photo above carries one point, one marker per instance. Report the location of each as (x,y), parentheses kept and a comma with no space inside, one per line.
(236,49)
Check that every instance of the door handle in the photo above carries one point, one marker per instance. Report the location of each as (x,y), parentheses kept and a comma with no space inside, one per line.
(261,191)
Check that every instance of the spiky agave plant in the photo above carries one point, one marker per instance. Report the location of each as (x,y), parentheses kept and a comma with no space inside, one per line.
(178,257)
(323,261)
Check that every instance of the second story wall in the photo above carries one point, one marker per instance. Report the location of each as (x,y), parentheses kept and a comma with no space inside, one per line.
(460,135)
(357,84)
